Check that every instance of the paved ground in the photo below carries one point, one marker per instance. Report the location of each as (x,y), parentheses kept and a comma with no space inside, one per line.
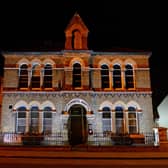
(40,152)
(52,157)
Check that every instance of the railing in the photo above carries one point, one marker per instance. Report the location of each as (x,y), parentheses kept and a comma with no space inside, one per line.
(61,139)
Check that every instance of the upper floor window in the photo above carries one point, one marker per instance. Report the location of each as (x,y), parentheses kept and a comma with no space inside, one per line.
(21,120)
(117,76)
(47,80)
(35,80)
(76,75)
(106,119)
(129,77)
(132,120)
(23,76)
(105,76)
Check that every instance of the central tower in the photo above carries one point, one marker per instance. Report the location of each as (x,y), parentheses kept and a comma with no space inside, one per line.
(76,34)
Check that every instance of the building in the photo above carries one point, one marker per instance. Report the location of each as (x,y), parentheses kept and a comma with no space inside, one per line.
(80,94)
(162,110)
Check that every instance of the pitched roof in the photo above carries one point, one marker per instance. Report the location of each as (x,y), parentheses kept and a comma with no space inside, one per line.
(76,19)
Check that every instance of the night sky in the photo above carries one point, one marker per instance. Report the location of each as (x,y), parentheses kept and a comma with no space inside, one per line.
(119,26)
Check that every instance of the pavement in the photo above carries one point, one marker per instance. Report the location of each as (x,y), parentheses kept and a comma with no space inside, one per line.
(51,153)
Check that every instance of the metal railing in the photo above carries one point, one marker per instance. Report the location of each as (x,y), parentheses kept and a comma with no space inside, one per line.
(60,138)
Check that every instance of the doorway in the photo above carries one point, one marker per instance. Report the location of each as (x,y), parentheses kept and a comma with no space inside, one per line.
(77,125)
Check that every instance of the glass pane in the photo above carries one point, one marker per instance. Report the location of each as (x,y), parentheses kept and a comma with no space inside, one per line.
(131,115)
(21,114)
(47,115)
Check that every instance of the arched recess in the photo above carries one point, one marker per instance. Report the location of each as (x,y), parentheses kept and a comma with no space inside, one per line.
(23,61)
(105,103)
(77,125)
(21,103)
(77,121)
(47,103)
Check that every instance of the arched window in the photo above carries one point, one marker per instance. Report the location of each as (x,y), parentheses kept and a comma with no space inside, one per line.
(76,39)
(105,76)
(47,80)
(76,75)
(34,120)
(35,82)
(21,120)
(132,120)
(117,76)
(129,77)
(23,76)
(119,119)
(47,120)
(106,119)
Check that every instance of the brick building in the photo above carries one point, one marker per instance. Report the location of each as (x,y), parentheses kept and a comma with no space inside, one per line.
(76,92)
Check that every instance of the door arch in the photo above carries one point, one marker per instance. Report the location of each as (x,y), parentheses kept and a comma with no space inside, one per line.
(77,125)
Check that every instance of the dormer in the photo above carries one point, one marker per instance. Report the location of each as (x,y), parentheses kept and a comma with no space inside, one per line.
(76,34)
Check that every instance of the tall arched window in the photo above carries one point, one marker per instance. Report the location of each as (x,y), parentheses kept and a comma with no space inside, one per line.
(47,120)
(106,119)
(117,76)
(47,80)
(119,119)
(76,39)
(105,76)
(129,77)
(23,76)
(132,120)
(76,75)
(34,120)
(21,120)
(36,72)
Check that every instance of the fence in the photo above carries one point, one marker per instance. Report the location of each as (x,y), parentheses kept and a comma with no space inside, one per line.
(96,139)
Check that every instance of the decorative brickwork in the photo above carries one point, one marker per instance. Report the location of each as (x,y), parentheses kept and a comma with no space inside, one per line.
(99,91)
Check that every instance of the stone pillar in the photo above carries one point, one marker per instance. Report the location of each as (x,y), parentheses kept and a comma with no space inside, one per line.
(68,79)
(40,122)
(68,45)
(27,121)
(113,122)
(162,134)
(85,79)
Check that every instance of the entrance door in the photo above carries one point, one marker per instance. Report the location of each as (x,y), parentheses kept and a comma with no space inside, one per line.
(77,125)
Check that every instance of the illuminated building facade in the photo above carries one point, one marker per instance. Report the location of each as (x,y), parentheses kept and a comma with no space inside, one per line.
(76,91)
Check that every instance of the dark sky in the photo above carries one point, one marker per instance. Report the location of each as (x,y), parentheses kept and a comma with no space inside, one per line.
(113,26)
